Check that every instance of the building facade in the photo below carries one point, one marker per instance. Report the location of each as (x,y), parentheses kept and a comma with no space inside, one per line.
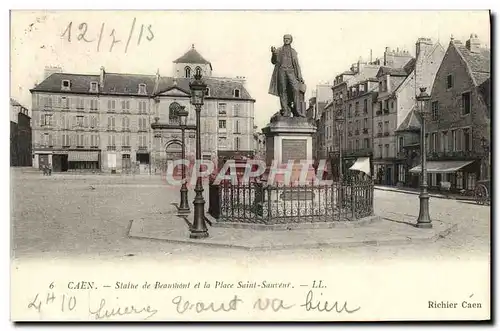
(398,88)
(20,135)
(459,127)
(103,122)
(359,120)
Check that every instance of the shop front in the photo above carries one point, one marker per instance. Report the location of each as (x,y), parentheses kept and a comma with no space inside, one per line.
(83,161)
(450,175)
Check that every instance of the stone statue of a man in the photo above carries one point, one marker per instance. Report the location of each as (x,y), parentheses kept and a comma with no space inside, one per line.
(287,82)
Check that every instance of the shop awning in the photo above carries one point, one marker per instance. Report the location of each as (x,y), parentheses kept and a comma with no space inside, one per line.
(442,166)
(82,156)
(362,164)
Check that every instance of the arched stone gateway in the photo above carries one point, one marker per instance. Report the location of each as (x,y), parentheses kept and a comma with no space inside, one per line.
(173,151)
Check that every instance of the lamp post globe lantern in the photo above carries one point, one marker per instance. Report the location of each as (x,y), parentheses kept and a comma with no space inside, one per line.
(184,205)
(199,228)
(424,219)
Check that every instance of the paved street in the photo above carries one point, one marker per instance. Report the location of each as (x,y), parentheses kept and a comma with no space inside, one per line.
(70,216)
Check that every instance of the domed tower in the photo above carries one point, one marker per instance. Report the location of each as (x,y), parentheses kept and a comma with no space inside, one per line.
(187,65)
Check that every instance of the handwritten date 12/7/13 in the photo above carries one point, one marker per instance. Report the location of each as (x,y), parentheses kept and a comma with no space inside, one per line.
(108,38)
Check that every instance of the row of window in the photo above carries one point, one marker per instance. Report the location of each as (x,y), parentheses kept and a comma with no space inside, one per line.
(466,106)
(87,140)
(60,102)
(223,124)
(222,109)
(356,109)
(92,122)
(223,143)
(383,151)
(450,141)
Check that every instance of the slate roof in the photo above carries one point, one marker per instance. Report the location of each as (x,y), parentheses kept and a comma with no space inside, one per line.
(479,63)
(128,84)
(396,82)
(192,56)
(79,83)
(411,122)
(393,71)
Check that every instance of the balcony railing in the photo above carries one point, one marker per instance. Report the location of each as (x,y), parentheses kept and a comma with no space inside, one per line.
(386,111)
(349,134)
(386,134)
(356,132)
(111,148)
(378,112)
(454,155)
(143,148)
(365,131)
(125,148)
(379,134)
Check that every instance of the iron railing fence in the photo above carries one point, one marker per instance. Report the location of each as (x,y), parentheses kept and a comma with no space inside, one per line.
(257,202)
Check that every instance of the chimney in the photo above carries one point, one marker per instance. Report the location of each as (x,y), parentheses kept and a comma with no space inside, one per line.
(473,44)
(49,70)
(422,46)
(101,77)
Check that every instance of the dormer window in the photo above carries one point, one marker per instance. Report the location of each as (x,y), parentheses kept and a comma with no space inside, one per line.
(236,93)
(65,85)
(187,72)
(142,88)
(207,92)
(93,86)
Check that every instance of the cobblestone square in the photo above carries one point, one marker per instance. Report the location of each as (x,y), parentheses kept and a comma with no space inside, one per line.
(72,216)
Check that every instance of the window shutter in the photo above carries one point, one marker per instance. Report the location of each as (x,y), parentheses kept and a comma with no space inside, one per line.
(460,139)
(471,147)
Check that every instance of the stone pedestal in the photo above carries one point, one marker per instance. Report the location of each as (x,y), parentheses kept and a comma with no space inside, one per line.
(289,139)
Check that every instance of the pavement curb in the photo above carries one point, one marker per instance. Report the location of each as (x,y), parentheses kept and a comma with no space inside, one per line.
(175,230)
(430,194)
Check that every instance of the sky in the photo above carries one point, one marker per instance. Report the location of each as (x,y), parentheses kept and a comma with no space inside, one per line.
(237,43)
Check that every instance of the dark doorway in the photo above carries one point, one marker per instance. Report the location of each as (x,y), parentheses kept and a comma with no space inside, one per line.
(388,176)
(126,163)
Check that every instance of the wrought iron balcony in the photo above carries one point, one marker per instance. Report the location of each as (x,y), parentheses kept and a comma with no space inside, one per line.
(365,131)
(378,112)
(386,110)
(356,132)
(111,148)
(386,134)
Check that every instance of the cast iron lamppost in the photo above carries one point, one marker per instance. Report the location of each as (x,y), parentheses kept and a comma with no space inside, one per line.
(199,227)
(339,121)
(424,220)
(184,205)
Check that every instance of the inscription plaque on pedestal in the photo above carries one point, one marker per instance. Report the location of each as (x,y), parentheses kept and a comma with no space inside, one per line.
(293,149)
